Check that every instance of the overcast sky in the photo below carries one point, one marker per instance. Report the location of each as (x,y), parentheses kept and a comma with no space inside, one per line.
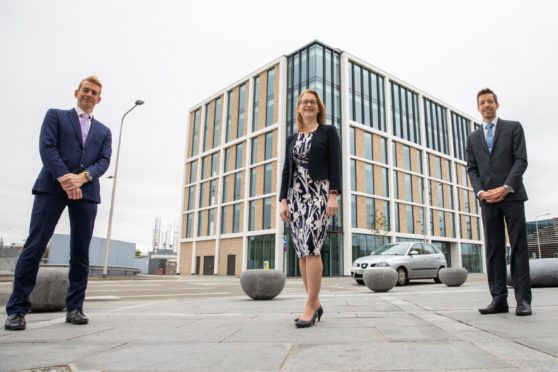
(174,54)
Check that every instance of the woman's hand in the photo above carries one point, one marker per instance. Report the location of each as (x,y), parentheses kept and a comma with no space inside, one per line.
(331,207)
(284,210)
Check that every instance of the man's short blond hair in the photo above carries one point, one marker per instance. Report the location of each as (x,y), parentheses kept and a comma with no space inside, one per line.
(92,79)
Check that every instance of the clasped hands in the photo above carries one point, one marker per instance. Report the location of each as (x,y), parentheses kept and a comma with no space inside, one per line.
(71,183)
(494,195)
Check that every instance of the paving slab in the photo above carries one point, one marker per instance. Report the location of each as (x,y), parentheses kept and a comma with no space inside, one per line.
(418,327)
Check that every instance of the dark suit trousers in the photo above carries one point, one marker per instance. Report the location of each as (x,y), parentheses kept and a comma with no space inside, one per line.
(47,209)
(494,216)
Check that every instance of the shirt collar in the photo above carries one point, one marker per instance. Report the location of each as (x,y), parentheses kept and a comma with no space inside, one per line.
(80,111)
(493,121)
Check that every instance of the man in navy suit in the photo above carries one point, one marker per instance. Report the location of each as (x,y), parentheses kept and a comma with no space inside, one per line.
(75,150)
(496,161)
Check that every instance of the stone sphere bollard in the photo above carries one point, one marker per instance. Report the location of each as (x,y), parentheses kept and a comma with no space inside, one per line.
(543,273)
(259,284)
(453,276)
(50,289)
(380,279)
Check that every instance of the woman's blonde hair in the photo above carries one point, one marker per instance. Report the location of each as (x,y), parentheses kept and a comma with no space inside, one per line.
(321,106)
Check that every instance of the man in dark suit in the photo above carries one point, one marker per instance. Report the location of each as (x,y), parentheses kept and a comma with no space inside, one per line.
(496,161)
(75,150)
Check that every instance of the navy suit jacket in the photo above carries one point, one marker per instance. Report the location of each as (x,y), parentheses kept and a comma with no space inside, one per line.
(62,151)
(324,159)
(504,166)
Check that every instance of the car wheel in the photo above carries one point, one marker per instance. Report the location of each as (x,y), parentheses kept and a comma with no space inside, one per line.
(402,276)
(437,278)
(360,281)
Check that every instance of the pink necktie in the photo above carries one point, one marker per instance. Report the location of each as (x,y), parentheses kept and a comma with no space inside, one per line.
(84,122)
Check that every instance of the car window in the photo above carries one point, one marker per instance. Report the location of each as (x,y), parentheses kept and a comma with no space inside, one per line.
(397,249)
(428,249)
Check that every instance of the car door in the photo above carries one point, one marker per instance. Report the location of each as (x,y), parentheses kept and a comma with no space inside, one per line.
(431,260)
(416,261)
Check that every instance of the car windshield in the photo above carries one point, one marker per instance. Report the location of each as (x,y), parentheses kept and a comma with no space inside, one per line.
(396,249)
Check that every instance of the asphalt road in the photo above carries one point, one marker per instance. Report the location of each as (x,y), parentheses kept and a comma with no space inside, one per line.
(165,287)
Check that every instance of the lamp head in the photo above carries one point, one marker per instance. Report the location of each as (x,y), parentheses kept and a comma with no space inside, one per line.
(139,102)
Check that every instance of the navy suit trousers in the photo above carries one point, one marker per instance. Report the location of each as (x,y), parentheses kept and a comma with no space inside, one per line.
(47,209)
(512,214)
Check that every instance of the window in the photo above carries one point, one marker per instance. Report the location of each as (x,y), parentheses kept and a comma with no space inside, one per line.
(193,175)
(436,126)
(227,159)
(195,139)
(206,128)
(261,249)
(461,129)
(253,177)
(224,220)
(225,190)
(228,133)
(254,150)
(189,224)
(236,217)
(202,196)
(370,214)
(237,185)
(270,97)
(210,222)
(405,113)
(241,104)
(212,191)
(191,196)
(410,222)
(268,145)
(214,164)
(252,215)
(217,122)
(267,213)
(366,97)
(368,146)
(239,151)
(369,178)
(255,109)
(267,178)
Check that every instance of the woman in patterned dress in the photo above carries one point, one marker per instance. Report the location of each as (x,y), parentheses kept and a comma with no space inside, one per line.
(310,185)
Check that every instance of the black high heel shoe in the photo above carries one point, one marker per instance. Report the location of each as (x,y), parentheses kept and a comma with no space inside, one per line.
(306,323)
(319,310)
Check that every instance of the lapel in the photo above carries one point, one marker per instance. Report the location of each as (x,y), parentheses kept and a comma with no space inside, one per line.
(73,116)
(499,128)
(91,132)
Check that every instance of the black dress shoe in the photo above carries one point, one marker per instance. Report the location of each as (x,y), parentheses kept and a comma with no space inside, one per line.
(495,308)
(523,308)
(76,317)
(15,322)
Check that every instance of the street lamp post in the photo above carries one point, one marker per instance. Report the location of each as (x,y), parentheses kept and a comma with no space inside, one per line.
(107,241)
(537,228)
(424,214)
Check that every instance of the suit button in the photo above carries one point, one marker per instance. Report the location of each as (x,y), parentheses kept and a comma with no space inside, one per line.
(81,165)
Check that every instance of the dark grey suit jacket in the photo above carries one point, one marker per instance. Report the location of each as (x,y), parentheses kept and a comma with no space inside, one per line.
(504,166)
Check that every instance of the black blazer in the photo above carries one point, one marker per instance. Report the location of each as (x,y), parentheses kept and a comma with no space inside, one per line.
(324,160)
(504,166)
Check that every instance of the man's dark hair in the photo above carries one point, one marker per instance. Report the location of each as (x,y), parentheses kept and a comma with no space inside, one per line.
(487,91)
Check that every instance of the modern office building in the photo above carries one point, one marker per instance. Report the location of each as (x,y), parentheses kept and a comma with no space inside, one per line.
(403,157)
(542,237)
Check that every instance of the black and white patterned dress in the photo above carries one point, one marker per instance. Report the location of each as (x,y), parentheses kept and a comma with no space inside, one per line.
(307,202)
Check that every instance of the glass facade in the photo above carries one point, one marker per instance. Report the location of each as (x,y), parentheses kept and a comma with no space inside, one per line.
(405,113)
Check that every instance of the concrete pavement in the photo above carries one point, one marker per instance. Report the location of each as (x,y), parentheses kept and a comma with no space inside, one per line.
(418,327)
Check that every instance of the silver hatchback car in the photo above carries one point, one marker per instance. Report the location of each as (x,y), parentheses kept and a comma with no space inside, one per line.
(411,260)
